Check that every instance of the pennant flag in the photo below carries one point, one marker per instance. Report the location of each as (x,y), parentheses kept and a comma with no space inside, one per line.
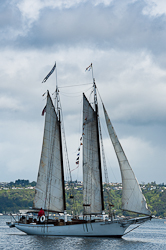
(80,138)
(44,110)
(77,162)
(44,94)
(78,149)
(89,67)
(81,143)
(78,154)
(50,73)
(77,159)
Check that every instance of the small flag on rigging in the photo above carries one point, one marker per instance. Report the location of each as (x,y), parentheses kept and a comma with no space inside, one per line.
(50,73)
(44,110)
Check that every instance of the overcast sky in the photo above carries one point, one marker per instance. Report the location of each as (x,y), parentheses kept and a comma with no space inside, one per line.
(125,41)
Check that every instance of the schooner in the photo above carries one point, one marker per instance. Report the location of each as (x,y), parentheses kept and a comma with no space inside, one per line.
(50,189)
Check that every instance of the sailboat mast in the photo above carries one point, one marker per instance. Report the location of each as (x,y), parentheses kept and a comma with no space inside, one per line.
(56,95)
(98,141)
(61,156)
(60,141)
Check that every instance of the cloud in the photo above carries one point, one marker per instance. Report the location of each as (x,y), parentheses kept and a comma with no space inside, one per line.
(19,149)
(10,103)
(116,24)
(155,8)
(137,88)
(131,86)
(125,41)
(10,23)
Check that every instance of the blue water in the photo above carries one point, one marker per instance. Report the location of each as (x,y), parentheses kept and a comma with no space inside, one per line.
(150,235)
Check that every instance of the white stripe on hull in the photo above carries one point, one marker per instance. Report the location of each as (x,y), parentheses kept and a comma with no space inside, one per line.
(112,229)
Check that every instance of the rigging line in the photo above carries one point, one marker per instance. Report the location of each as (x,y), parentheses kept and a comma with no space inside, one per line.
(78,92)
(103,154)
(79,126)
(107,133)
(134,178)
(70,95)
(99,95)
(132,229)
(105,168)
(75,94)
(92,102)
(70,86)
(64,139)
(111,169)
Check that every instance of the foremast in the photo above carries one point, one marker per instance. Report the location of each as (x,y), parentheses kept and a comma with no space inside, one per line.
(50,188)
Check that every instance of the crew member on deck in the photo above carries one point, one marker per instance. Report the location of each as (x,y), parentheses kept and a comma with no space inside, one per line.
(41,212)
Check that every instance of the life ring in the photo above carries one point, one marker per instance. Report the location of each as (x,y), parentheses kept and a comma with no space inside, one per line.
(42,218)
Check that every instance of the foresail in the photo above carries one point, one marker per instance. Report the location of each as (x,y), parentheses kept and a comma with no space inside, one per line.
(49,188)
(91,174)
(132,198)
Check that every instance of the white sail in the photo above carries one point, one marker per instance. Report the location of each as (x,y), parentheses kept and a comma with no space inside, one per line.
(91,174)
(132,198)
(49,188)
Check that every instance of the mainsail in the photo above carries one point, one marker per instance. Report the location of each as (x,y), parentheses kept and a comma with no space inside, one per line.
(92,191)
(49,193)
(132,198)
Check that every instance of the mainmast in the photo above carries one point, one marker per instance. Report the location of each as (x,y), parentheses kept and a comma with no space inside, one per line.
(61,158)
(98,140)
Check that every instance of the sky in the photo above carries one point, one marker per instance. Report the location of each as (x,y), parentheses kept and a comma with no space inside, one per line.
(125,41)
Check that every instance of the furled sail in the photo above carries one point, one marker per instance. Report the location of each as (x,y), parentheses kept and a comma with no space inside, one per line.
(91,173)
(132,198)
(49,188)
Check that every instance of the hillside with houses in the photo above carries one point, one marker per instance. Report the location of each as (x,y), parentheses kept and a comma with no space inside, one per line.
(20,194)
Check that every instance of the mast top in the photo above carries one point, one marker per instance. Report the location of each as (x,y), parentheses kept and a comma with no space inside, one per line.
(95,93)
